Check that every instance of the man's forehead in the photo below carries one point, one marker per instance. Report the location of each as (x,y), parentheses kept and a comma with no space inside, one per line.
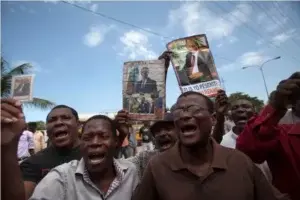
(242,101)
(191,99)
(97,124)
(60,111)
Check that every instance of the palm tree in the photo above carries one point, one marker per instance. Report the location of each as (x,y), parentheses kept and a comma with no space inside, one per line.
(6,77)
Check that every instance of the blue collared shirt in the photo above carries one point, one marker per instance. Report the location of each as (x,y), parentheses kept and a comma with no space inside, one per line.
(71,181)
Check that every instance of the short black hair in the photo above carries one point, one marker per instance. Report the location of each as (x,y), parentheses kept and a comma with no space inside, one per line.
(243,99)
(210,104)
(74,112)
(102,117)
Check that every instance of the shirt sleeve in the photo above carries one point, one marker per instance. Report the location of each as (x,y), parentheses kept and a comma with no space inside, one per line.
(30,139)
(137,161)
(30,170)
(263,189)
(260,136)
(50,188)
(146,190)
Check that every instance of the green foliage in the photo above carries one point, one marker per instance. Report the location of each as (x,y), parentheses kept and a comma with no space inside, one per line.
(40,125)
(6,80)
(257,103)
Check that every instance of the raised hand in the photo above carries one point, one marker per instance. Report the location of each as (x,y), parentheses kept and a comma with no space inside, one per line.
(221,103)
(286,92)
(122,124)
(12,122)
(166,55)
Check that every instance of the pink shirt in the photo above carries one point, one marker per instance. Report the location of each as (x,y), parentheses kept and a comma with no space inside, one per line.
(26,142)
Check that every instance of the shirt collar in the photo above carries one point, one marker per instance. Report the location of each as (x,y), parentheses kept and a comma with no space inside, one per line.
(120,167)
(219,157)
(232,134)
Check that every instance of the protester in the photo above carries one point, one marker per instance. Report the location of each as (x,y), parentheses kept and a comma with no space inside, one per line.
(26,143)
(62,127)
(97,175)
(146,136)
(165,135)
(264,139)
(198,160)
(241,111)
(39,141)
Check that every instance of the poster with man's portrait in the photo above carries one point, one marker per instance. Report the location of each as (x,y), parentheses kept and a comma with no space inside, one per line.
(194,65)
(144,89)
(21,87)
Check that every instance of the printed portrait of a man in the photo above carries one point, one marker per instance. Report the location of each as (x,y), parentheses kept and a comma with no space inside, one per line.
(22,87)
(146,84)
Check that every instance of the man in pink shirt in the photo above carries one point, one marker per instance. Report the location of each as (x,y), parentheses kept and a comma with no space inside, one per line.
(26,142)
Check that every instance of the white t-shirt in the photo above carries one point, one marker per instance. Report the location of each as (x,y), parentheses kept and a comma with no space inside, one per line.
(289,118)
(229,140)
(195,67)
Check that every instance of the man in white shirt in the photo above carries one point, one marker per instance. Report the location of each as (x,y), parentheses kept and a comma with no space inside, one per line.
(241,111)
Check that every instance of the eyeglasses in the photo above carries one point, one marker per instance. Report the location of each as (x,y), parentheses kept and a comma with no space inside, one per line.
(193,109)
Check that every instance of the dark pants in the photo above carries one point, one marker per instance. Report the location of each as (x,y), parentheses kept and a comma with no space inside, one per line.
(126,151)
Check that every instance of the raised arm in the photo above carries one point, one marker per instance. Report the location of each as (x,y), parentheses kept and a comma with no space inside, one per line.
(166,55)
(221,106)
(121,121)
(261,135)
(12,125)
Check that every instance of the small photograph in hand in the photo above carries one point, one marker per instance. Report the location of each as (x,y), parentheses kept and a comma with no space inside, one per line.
(21,87)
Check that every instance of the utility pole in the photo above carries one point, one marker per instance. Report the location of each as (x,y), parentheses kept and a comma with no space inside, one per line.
(223,83)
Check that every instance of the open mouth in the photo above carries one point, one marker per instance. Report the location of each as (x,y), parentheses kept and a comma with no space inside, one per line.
(164,143)
(242,119)
(188,129)
(96,158)
(61,134)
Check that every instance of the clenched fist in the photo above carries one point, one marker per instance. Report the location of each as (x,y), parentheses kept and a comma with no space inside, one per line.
(221,103)
(12,122)
(287,92)
(121,121)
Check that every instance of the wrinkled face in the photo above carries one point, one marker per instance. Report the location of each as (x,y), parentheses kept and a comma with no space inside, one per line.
(241,111)
(145,72)
(62,127)
(98,145)
(165,135)
(193,121)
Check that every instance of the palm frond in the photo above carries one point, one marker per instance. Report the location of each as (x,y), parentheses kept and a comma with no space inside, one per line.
(42,104)
(21,69)
(7,73)
(4,66)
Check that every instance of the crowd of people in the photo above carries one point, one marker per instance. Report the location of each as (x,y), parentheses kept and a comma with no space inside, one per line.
(196,155)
